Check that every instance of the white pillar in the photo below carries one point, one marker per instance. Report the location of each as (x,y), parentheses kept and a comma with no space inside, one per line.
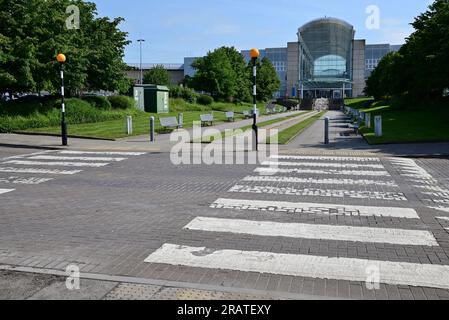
(378,126)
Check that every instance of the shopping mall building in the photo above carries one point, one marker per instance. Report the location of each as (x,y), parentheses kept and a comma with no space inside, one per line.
(325,61)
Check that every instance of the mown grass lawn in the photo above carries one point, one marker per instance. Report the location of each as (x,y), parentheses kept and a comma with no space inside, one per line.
(226,134)
(116,129)
(429,124)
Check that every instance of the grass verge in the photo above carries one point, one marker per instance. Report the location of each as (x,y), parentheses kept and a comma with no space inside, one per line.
(227,134)
(415,124)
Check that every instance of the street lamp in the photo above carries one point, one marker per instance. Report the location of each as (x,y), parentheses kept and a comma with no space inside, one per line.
(61,58)
(141,68)
(255,54)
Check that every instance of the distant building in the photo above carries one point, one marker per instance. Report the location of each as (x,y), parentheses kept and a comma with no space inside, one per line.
(374,53)
(175,70)
(325,61)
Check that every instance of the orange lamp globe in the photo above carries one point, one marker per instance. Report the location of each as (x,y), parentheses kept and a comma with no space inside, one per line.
(254,53)
(61,58)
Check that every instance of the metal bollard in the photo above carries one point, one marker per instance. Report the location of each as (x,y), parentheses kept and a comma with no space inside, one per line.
(378,126)
(129,125)
(152,137)
(181,120)
(326,130)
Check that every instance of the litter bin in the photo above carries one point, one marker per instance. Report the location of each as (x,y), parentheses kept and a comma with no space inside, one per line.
(152,98)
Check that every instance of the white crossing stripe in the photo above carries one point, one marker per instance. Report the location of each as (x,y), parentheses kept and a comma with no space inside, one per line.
(325,172)
(27,155)
(350,269)
(2,191)
(310,231)
(315,208)
(443,218)
(56,158)
(103,153)
(443,209)
(325,158)
(311,192)
(38,171)
(57,164)
(323,165)
(321,181)
(22,180)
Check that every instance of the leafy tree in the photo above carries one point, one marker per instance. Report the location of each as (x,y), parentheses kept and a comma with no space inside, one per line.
(267,79)
(215,75)
(157,75)
(32,32)
(420,69)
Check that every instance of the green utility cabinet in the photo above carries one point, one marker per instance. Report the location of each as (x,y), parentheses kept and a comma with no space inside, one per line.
(152,98)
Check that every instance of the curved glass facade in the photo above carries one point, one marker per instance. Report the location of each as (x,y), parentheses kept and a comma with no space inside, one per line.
(326,46)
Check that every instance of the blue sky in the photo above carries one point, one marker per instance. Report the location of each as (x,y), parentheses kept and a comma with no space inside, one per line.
(175,29)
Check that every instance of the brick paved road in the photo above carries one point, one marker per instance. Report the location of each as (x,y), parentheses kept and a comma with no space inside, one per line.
(137,215)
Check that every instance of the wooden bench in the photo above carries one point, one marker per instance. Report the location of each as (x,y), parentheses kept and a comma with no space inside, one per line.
(247,114)
(207,119)
(169,123)
(230,116)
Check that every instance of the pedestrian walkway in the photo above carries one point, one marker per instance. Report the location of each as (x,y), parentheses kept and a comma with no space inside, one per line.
(346,229)
(340,135)
(310,142)
(45,166)
(344,141)
(164,139)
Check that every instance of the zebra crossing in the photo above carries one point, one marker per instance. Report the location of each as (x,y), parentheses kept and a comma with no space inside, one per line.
(42,167)
(437,196)
(257,206)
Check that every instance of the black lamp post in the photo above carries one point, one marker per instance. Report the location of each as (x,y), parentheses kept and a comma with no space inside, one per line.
(62,59)
(254,53)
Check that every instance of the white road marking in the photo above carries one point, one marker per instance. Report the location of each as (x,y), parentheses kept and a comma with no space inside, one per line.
(39,171)
(394,273)
(27,155)
(320,181)
(310,192)
(77,158)
(444,218)
(56,164)
(21,180)
(434,189)
(323,165)
(311,231)
(325,172)
(315,208)
(104,153)
(443,209)
(324,158)
(2,191)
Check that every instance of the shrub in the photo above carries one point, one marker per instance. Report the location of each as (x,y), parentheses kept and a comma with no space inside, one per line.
(187,94)
(180,105)
(28,105)
(205,100)
(288,103)
(122,102)
(77,111)
(98,102)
